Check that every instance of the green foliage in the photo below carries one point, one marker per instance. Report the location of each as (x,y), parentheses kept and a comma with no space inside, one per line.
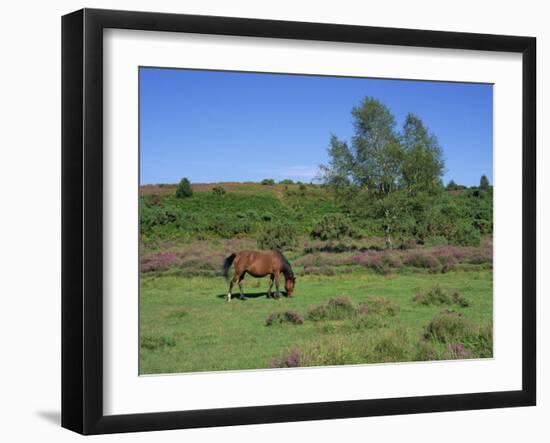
(394,178)
(438,296)
(452,186)
(289,316)
(218,190)
(335,309)
(423,164)
(268,181)
(278,237)
(484,183)
(184,189)
(435,240)
(400,217)
(465,234)
(333,227)
(447,326)
(286,181)
(227,227)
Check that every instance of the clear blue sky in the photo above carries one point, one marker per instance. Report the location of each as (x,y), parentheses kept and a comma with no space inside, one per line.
(223,126)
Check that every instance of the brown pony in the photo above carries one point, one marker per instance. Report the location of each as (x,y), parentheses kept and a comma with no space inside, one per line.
(259,264)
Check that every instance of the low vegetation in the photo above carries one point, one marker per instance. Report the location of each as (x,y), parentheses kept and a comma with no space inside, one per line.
(357,301)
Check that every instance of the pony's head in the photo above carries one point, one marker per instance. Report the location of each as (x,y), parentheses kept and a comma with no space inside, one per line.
(289,285)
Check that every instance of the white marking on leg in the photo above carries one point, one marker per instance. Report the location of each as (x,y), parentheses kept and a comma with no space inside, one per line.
(229,296)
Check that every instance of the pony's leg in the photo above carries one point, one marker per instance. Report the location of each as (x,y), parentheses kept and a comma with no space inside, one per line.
(241,278)
(231,283)
(277,293)
(269,294)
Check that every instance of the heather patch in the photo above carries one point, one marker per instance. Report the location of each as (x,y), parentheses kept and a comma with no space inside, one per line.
(290,359)
(277,318)
(438,296)
(447,326)
(335,309)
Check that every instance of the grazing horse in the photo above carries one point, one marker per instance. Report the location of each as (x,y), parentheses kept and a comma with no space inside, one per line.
(259,264)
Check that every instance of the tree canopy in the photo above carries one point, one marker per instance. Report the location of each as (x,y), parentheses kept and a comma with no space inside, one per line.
(383,166)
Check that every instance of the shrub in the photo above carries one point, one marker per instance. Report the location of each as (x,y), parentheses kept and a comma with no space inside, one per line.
(457,351)
(436,296)
(229,227)
(436,240)
(335,309)
(277,318)
(480,341)
(218,190)
(459,299)
(286,181)
(420,259)
(268,181)
(289,359)
(278,237)
(332,227)
(267,216)
(466,235)
(391,347)
(153,200)
(425,350)
(184,189)
(447,326)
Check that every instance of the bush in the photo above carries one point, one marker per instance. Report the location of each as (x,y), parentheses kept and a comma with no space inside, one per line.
(286,181)
(391,347)
(184,189)
(277,318)
(436,296)
(268,181)
(447,326)
(466,235)
(268,216)
(335,309)
(480,341)
(332,227)
(278,237)
(218,190)
(436,240)
(289,359)
(229,227)
(424,260)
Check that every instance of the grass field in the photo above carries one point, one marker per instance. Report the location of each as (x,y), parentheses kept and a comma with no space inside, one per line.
(186,324)
(355,302)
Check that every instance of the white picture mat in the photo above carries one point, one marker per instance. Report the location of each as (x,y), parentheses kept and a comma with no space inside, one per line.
(127,392)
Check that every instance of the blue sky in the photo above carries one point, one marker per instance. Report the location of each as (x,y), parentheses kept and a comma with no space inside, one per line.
(213,126)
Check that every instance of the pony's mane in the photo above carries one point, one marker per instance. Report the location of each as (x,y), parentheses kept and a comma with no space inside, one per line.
(287,270)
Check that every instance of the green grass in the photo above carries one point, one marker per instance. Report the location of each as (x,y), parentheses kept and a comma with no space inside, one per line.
(354,302)
(187,325)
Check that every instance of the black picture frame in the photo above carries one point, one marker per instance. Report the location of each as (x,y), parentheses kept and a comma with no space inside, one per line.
(82,218)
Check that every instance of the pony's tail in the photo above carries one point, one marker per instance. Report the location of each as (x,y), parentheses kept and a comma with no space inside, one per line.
(227,264)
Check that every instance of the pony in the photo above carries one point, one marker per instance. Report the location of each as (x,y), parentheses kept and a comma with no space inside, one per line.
(259,264)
